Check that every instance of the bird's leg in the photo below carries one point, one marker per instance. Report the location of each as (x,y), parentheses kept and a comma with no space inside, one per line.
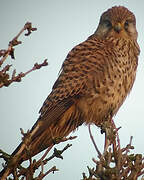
(106,129)
(107,141)
(116,130)
(111,133)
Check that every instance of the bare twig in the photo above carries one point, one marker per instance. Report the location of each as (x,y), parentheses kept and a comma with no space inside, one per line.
(115,163)
(42,175)
(46,152)
(5,79)
(41,162)
(93,141)
(15,42)
(17,78)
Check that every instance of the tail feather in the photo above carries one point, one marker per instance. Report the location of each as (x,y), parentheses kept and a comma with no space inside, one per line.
(43,134)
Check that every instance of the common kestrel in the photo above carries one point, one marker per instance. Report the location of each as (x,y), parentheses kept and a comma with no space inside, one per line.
(96,77)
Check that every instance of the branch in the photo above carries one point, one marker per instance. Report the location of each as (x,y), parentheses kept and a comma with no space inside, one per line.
(5,79)
(17,78)
(93,141)
(115,163)
(10,51)
(42,175)
(20,171)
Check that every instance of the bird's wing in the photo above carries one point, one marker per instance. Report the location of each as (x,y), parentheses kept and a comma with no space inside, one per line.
(71,83)
(59,114)
(69,87)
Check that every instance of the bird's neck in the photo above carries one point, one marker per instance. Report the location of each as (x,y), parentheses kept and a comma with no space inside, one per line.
(123,41)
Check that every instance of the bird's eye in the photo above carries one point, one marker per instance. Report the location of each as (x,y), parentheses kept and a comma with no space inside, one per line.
(126,24)
(107,23)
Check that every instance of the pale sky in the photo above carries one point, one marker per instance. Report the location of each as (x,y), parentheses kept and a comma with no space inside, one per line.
(61,24)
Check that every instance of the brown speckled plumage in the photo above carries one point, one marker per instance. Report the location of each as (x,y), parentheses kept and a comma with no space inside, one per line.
(95,79)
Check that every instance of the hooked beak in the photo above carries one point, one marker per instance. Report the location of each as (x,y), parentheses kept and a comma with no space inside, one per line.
(118,27)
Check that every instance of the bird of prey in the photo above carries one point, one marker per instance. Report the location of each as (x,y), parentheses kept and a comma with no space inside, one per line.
(95,79)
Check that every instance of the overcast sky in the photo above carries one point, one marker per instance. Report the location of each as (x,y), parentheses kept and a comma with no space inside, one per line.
(61,24)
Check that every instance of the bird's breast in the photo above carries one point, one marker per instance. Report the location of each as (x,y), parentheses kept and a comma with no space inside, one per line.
(107,91)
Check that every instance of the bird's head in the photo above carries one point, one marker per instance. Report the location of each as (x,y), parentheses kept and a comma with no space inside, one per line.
(117,22)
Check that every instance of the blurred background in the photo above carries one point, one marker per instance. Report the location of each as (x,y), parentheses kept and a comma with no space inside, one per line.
(61,25)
